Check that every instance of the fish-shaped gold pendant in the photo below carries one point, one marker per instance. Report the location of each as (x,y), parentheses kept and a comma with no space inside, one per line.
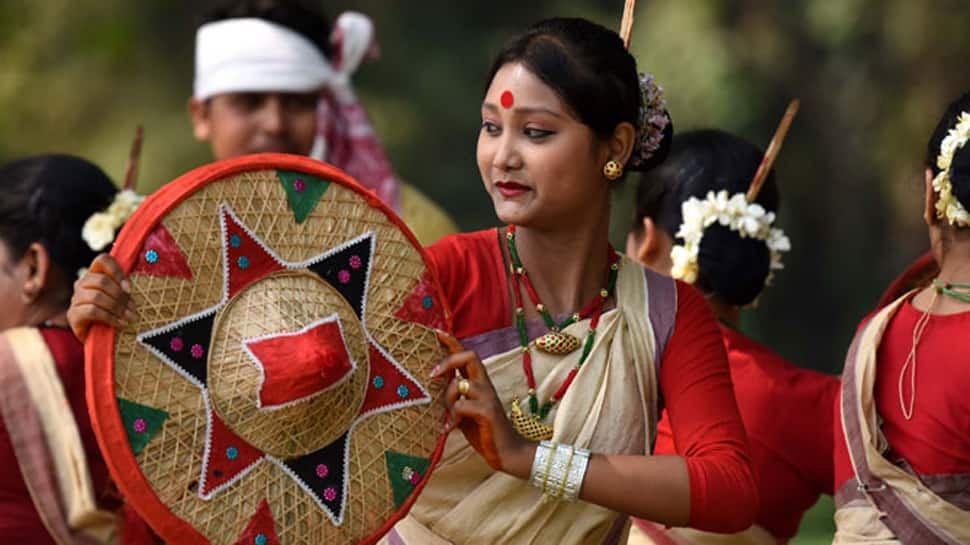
(557,342)
(529,425)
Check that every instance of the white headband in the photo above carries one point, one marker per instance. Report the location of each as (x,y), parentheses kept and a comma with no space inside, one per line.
(253,55)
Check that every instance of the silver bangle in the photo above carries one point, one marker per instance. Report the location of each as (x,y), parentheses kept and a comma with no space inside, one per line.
(575,474)
(559,470)
(539,476)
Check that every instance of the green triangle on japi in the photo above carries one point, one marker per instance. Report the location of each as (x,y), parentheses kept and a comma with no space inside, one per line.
(141,423)
(404,472)
(303,192)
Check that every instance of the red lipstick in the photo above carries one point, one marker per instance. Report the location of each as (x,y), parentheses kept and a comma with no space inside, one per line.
(511,189)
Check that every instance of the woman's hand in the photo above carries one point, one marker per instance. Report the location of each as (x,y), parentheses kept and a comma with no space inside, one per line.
(479,414)
(101,296)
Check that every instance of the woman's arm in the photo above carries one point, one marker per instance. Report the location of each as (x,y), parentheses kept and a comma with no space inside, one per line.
(709,485)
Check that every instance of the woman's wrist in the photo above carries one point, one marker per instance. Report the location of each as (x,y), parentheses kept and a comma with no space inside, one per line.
(519,463)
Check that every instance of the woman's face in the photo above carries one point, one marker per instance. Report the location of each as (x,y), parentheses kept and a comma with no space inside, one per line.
(541,166)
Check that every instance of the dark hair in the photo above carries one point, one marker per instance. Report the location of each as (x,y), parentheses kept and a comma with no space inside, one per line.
(731,267)
(960,166)
(47,199)
(310,23)
(589,68)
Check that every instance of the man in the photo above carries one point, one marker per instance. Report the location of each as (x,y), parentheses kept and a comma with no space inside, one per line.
(271,76)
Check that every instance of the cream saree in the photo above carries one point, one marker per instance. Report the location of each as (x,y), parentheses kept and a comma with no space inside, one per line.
(611,407)
(47,443)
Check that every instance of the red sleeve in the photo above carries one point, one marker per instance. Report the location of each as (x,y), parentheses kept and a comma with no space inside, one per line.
(472,275)
(707,429)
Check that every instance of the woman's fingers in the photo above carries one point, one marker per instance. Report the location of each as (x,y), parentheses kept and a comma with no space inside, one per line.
(114,296)
(82,316)
(106,264)
(449,342)
(466,363)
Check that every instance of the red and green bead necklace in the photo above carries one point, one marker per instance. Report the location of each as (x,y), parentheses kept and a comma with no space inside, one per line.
(556,341)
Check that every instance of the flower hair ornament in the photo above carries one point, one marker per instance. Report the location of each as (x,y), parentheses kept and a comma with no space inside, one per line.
(99,229)
(653,120)
(948,206)
(737,212)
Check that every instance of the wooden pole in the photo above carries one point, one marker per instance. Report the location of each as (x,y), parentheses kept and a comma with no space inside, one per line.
(131,170)
(626,24)
(773,148)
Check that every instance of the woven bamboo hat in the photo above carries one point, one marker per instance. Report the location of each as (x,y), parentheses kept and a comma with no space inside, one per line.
(274,387)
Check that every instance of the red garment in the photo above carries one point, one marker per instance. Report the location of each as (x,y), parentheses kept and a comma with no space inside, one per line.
(694,378)
(784,409)
(937,440)
(19,520)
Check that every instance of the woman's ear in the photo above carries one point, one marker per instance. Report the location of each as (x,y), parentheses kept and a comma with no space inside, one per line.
(652,247)
(36,266)
(621,144)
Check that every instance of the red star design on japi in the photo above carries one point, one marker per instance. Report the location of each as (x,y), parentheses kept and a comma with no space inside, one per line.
(302,366)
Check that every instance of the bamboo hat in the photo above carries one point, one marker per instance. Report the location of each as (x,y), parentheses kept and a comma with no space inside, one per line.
(274,388)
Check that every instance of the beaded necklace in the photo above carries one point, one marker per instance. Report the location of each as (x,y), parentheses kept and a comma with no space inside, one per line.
(555,341)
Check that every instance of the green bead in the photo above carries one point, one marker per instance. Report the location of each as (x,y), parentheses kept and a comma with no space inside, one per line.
(587,347)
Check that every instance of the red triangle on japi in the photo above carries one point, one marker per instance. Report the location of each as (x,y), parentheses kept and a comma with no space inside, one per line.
(247,260)
(161,256)
(388,386)
(228,457)
(261,529)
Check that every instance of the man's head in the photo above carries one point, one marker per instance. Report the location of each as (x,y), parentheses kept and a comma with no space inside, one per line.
(260,67)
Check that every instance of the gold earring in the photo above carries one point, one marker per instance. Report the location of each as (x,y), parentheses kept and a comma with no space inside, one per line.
(612,170)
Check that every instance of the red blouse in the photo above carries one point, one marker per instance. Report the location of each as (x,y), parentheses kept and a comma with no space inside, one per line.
(19,520)
(937,439)
(694,377)
(784,409)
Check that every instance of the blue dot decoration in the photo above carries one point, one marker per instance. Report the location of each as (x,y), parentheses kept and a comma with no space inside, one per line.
(235,241)
(232,453)
(378,382)
(402,391)
(243,262)
(260,539)
(427,302)
(151,256)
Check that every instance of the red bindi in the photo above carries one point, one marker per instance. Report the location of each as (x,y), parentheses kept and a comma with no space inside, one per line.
(507,99)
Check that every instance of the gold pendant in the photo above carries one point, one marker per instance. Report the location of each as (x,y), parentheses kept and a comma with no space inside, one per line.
(557,342)
(529,426)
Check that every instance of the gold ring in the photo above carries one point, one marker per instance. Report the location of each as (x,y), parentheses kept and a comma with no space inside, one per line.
(464,386)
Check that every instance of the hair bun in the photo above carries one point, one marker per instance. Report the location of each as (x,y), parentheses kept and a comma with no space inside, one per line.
(733,268)
(960,175)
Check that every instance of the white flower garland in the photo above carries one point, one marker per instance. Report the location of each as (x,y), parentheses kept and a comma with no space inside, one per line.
(750,220)
(948,206)
(99,230)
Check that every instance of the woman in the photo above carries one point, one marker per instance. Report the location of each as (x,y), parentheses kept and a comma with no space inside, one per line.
(54,479)
(902,445)
(560,119)
(783,407)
